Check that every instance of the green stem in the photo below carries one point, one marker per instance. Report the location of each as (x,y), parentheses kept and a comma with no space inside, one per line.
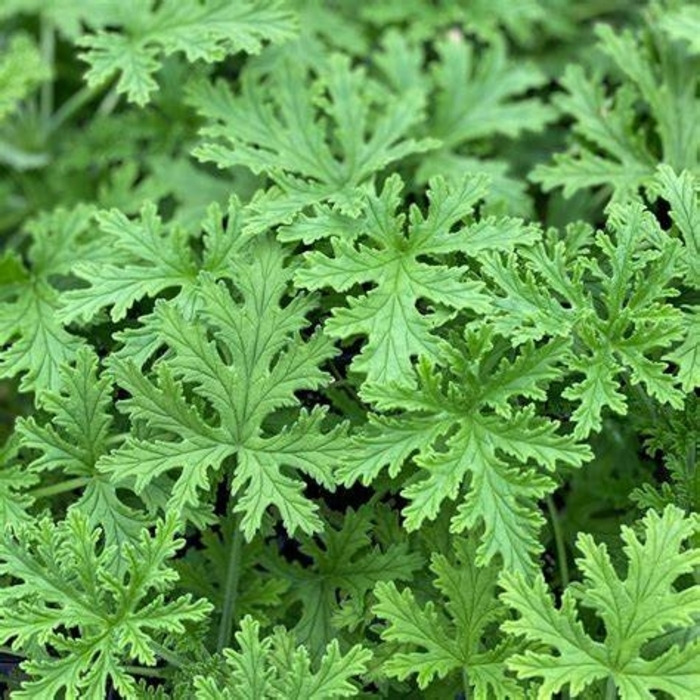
(559,543)
(109,102)
(144,671)
(233,575)
(70,107)
(47,42)
(344,383)
(170,656)
(610,689)
(62,487)
(465,684)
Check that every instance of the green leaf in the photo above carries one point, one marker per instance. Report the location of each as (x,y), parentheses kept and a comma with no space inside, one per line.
(241,362)
(21,70)
(77,435)
(71,444)
(398,265)
(205,573)
(205,30)
(634,610)
(526,23)
(449,638)
(496,465)
(68,599)
(70,16)
(626,163)
(683,23)
(145,258)
(33,342)
(278,125)
(677,440)
(687,354)
(274,667)
(476,94)
(346,563)
(612,148)
(616,309)
(681,192)
(14,481)
(487,85)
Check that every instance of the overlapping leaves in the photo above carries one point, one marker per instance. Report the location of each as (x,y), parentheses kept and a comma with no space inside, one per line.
(635,610)
(142,33)
(473,424)
(613,302)
(70,445)
(456,638)
(619,147)
(67,599)
(407,270)
(229,370)
(33,342)
(343,288)
(316,139)
(345,566)
(275,668)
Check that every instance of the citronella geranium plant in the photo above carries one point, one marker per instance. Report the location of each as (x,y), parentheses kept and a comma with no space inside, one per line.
(313,384)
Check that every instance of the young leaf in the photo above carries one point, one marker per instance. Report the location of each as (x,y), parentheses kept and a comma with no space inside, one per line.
(69,600)
(437,644)
(634,610)
(275,668)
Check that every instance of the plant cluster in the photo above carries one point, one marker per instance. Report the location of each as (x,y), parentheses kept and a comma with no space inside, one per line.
(349,349)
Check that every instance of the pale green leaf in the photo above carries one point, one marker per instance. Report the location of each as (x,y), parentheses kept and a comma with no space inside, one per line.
(275,668)
(447,638)
(683,23)
(634,610)
(22,69)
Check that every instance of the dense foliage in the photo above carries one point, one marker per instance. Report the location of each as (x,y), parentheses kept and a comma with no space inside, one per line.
(349,349)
